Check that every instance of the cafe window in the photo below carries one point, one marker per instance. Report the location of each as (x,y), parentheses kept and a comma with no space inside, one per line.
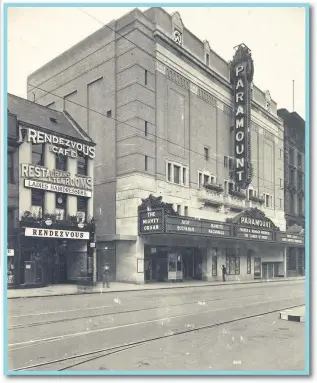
(60,206)
(11,168)
(233,264)
(82,206)
(37,202)
(61,162)
(38,154)
(82,165)
(11,219)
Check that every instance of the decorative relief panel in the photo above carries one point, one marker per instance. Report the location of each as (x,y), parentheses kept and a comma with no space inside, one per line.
(177,78)
(205,96)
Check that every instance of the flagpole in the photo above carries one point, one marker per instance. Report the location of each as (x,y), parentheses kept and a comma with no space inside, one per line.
(293,94)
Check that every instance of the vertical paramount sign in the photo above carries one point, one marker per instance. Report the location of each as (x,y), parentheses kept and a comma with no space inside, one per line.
(241,76)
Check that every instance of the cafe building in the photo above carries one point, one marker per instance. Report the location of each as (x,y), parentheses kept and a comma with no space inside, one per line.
(182,124)
(53,223)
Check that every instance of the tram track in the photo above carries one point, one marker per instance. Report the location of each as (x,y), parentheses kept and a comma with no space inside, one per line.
(62,320)
(90,356)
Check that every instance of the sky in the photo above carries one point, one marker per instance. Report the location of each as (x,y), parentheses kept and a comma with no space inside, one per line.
(276,37)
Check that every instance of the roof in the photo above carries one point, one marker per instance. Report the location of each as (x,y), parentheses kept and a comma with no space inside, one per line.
(291,117)
(46,118)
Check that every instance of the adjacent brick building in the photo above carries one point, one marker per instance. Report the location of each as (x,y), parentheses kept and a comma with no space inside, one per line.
(160,104)
(294,185)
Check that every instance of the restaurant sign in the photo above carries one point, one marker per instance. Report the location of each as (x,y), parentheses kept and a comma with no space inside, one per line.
(291,238)
(57,181)
(50,233)
(59,145)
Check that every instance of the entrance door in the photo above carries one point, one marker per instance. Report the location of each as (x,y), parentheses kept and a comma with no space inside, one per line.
(267,270)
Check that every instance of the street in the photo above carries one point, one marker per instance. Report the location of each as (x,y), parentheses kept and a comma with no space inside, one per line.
(234,327)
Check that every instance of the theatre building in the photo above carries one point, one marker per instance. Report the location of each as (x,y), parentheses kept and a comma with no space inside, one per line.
(50,218)
(191,175)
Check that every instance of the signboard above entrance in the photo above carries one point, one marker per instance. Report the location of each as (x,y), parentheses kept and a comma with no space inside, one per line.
(291,238)
(191,226)
(151,222)
(47,233)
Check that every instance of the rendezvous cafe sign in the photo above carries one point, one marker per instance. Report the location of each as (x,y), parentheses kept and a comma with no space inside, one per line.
(58,145)
(52,233)
(39,177)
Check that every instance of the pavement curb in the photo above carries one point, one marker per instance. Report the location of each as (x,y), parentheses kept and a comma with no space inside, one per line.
(158,288)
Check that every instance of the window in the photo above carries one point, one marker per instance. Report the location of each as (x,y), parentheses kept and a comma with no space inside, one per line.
(281,204)
(206,151)
(232,263)
(38,154)
(37,198)
(214,264)
(207,59)
(281,183)
(186,211)
(300,181)
(200,180)
(61,162)
(82,204)
(268,200)
(145,162)
(291,155)
(10,220)
(249,264)
(145,77)
(280,153)
(291,177)
(179,209)
(291,204)
(60,206)
(82,165)
(225,161)
(169,172)
(300,205)
(184,176)
(145,128)
(11,168)
(252,193)
(231,163)
(177,174)
(229,187)
(206,179)
(299,160)
(109,113)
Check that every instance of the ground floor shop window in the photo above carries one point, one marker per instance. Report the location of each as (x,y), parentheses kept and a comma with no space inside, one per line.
(233,262)
(249,264)
(292,259)
(257,267)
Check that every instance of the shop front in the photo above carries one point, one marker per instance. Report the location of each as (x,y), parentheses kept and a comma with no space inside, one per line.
(178,248)
(54,253)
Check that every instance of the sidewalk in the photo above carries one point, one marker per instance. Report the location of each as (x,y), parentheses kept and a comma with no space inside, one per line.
(62,290)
